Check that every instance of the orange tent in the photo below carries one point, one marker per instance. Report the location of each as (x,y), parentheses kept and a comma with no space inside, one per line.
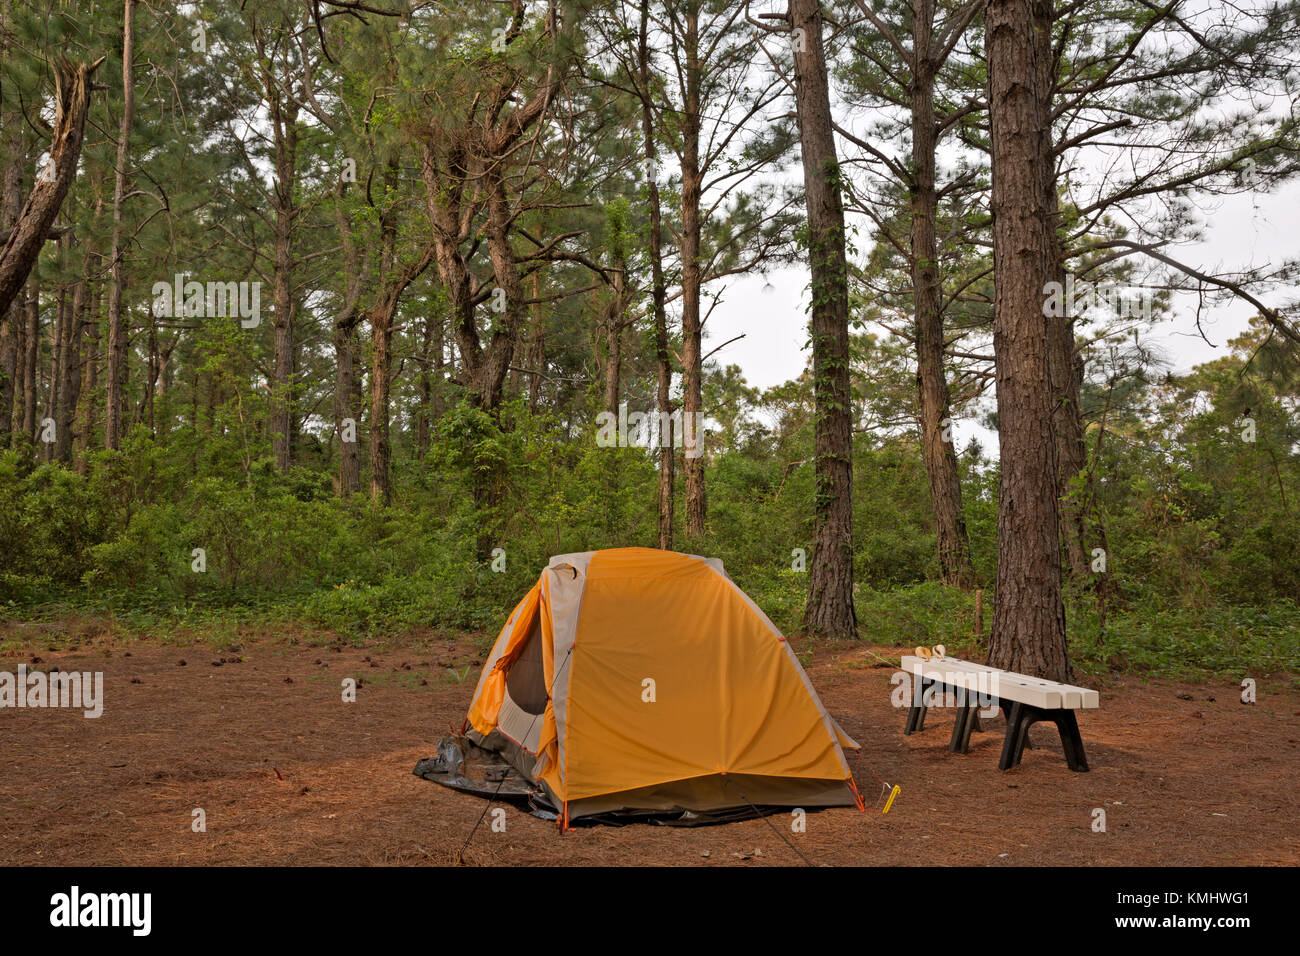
(641,680)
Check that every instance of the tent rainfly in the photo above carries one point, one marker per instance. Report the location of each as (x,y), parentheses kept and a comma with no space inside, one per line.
(635,683)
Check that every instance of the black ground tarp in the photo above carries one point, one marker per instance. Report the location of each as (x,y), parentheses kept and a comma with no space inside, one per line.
(462,765)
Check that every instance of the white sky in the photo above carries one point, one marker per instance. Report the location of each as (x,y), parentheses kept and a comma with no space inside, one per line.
(1240,232)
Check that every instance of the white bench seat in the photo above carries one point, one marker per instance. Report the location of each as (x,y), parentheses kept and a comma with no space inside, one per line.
(1036,691)
(1023,698)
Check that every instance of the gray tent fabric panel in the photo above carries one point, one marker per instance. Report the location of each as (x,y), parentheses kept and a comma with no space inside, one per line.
(498,743)
(566,577)
(520,726)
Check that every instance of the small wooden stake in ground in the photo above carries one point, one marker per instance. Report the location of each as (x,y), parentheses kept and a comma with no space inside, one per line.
(979,613)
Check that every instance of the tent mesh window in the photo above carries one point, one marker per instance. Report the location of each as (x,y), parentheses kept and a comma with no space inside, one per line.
(526,679)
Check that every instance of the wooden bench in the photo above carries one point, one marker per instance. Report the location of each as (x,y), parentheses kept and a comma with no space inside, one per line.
(1024,700)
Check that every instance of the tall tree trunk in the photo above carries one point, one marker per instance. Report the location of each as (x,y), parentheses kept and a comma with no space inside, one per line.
(8,371)
(211,394)
(86,418)
(285,119)
(424,396)
(72,363)
(154,371)
(506,269)
(31,356)
(382,317)
(829,611)
(381,354)
(453,270)
(345,353)
(10,319)
(1065,366)
(493,360)
(516,367)
(483,367)
(692,360)
(1029,616)
(19,326)
(58,331)
(344,389)
(658,292)
(13,155)
(117,333)
(1064,361)
(437,402)
(381,358)
(934,398)
(430,384)
(166,379)
(536,347)
(196,389)
(614,324)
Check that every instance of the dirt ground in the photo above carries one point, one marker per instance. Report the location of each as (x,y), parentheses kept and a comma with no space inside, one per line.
(256,735)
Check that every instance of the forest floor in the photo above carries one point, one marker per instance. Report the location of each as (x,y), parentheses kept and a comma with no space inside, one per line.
(252,730)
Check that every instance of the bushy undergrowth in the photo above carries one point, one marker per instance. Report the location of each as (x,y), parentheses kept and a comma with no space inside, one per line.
(1199,581)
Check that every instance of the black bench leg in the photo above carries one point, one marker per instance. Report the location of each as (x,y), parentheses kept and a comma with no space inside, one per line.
(913,718)
(1071,741)
(916,713)
(1013,745)
(958,722)
(1006,713)
(962,726)
(1019,719)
